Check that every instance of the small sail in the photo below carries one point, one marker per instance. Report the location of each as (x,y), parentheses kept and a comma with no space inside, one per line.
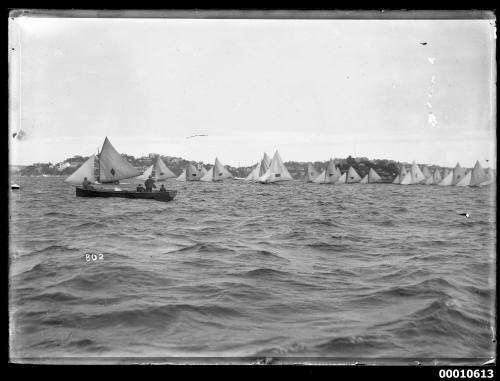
(465,181)
(364,180)
(162,172)
(331,175)
(254,174)
(85,170)
(182,176)
(406,179)
(373,177)
(396,180)
(458,173)
(447,179)
(312,174)
(145,175)
(352,176)
(342,179)
(478,175)
(276,171)
(320,179)
(192,173)
(416,174)
(209,176)
(218,172)
(113,166)
(425,170)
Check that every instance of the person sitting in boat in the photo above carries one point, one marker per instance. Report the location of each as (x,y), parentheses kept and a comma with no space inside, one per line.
(162,188)
(86,184)
(140,188)
(150,184)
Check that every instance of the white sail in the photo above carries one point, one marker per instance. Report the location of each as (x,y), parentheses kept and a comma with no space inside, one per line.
(276,171)
(342,179)
(264,164)
(209,176)
(458,173)
(373,177)
(161,171)
(406,179)
(192,173)
(320,179)
(478,175)
(465,181)
(182,176)
(332,174)
(145,175)
(396,180)
(436,176)
(203,171)
(112,166)
(416,174)
(254,174)
(401,175)
(352,176)
(85,170)
(447,179)
(312,174)
(364,180)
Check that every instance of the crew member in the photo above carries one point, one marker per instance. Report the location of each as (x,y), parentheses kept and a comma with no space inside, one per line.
(86,184)
(162,188)
(150,184)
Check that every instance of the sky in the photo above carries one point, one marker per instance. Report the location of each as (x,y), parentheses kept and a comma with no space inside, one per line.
(312,89)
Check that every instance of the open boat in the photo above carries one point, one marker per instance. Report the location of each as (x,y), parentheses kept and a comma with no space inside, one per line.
(158,196)
(108,167)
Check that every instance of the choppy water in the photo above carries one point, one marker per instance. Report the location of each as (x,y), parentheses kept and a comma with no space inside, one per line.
(238,269)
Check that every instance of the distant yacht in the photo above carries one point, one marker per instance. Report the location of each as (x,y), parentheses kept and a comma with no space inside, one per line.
(217,173)
(276,171)
(312,174)
(159,171)
(260,168)
(329,176)
(352,176)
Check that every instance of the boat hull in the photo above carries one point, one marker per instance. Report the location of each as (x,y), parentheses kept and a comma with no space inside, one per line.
(158,196)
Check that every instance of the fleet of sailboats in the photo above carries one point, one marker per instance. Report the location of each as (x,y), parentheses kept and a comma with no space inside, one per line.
(109,167)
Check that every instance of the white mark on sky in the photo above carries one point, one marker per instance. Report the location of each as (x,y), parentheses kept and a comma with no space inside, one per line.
(432,120)
(431,60)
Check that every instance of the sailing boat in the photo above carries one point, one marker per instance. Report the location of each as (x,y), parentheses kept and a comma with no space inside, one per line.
(373,177)
(276,171)
(109,167)
(427,173)
(343,177)
(364,180)
(465,181)
(401,175)
(458,173)
(329,176)
(158,171)
(217,173)
(417,176)
(312,174)
(182,176)
(193,173)
(447,179)
(478,175)
(352,176)
(491,177)
(260,168)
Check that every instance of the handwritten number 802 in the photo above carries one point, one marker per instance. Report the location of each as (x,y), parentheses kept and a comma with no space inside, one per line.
(93,257)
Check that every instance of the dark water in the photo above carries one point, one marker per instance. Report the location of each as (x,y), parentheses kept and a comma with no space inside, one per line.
(239,269)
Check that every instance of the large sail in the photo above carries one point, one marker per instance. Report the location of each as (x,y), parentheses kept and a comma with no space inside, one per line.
(352,176)
(192,173)
(254,174)
(465,181)
(447,179)
(373,177)
(406,179)
(161,171)
(458,173)
(478,175)
(182,176)
(276,171)
(85,170)
(312,174)
(112,166)
(416,174)
(331,175)
(396,180)
(217,173)
(364,180)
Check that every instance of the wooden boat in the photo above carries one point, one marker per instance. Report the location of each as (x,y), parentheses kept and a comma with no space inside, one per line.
(158,196)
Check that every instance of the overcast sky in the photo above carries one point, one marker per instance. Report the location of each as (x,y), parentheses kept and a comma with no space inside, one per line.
(313,89)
